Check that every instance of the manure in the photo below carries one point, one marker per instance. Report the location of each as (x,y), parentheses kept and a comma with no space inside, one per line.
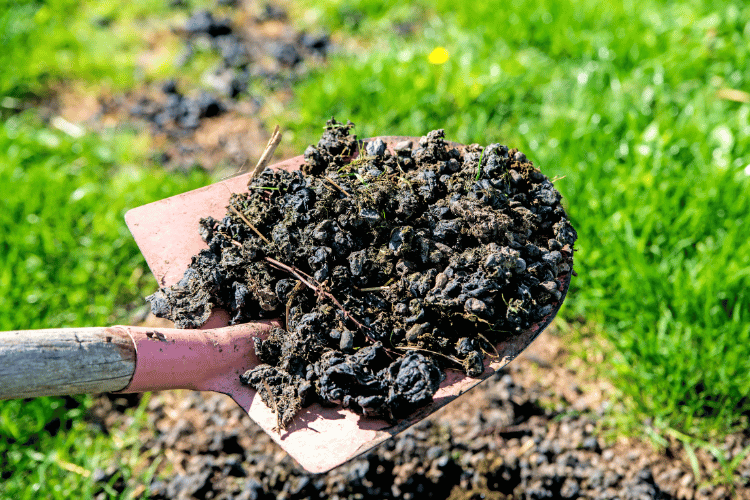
(386,268)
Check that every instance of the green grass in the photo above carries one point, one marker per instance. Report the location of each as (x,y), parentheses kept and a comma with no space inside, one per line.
(620,98)
(48,43)
(62,226)
(69,260)
(41,462)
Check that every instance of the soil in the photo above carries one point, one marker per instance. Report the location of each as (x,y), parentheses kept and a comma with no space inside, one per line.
(532,431)
(437,254)
(219,122)
(258,48)
(534,415)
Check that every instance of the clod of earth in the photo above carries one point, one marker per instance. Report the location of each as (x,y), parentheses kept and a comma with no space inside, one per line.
(247,54)
(386,268)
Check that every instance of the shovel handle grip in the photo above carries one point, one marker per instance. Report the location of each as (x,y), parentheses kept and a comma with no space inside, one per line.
(63,361)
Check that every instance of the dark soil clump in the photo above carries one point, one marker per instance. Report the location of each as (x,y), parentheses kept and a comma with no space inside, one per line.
(521,434)
(387,268)
(257,54)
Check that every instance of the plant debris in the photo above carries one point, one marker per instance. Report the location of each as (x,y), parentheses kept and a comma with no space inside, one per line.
(387,268)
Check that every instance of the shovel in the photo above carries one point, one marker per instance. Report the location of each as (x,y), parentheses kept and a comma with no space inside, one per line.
(132,359)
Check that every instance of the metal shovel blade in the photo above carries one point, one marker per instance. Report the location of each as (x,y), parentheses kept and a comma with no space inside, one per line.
(319,438)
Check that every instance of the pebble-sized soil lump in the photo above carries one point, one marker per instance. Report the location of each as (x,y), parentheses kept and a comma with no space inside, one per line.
(386,268)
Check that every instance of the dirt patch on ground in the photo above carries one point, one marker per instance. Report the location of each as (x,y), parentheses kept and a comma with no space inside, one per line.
(217,118)
(514,436)
(529,432)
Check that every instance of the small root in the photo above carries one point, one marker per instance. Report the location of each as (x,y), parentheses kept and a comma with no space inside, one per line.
(446,356)
(292,295)
(250,224)
(494,354)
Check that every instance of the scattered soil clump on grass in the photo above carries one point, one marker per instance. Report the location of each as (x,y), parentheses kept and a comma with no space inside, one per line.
(524,433)
(238,61)
(248,52)
(387,268)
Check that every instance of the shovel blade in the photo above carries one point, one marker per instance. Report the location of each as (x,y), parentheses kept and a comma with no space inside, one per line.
(319,438)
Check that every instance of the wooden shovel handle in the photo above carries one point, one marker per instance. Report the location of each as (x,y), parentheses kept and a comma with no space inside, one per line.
(64,361)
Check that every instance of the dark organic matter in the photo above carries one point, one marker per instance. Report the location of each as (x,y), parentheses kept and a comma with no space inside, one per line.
(386,268)
(516,436)
(247,54)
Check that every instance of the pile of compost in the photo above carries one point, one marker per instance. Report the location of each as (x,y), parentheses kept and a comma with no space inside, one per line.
(386,268)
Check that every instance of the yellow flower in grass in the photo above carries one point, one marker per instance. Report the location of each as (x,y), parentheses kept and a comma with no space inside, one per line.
(439,56)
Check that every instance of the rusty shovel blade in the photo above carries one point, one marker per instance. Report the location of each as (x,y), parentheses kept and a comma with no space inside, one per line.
(319,438)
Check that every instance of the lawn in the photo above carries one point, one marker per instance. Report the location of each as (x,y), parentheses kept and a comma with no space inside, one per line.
(626,101)
(68,260)
(67,256)
(640,108)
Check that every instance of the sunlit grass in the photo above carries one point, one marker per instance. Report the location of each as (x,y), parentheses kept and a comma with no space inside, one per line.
(51,451)
(621,100)
(48,43)
(67,256)
(69,260)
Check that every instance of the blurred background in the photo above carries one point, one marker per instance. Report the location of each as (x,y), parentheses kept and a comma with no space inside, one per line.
(640,110)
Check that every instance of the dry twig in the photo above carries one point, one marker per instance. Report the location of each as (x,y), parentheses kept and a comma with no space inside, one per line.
(317,289)
(494,354)
(239,214)
(233,242)
(272,397)
(338,187)
(371,289)
(419,349)
(273,143)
